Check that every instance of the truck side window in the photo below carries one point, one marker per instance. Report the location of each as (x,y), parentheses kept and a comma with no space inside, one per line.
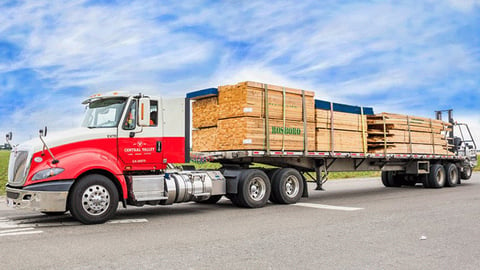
(153,113)
(130,119)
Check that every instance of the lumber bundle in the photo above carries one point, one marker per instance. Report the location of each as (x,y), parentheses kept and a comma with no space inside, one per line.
(341,120)
(205,112)
(254,116)
(248,133)
(248,99)
(403,134)
(343,140)
(204,140)
(340,127)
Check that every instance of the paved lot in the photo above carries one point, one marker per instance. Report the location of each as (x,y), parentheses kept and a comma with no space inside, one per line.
(355,224)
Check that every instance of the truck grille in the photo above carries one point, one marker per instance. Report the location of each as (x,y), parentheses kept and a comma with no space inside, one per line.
(19,167)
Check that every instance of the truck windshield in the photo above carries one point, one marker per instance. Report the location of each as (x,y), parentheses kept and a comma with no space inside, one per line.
(104,113)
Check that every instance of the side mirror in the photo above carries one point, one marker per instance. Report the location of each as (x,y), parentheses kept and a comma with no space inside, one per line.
(9,136)
(144,112)
(43,132)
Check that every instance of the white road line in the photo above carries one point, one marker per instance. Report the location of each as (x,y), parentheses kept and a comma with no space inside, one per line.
(7,224)
(17,230)
(125,221)
(329,207)
(20,233)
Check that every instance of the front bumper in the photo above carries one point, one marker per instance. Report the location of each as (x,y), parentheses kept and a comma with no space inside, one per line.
(38,198)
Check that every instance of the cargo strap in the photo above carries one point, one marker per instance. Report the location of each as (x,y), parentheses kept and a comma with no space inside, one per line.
(305,135)
(284,124)
(433,136)
(332,130)
(364,139)
(409,135)
(267,133)
(384,134)
(446,138)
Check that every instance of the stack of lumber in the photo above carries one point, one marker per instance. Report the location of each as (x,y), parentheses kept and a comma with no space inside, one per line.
(204,139)
(348,132)
(247,99)
(402,134)
(205,112)
(249,133)
(254,116)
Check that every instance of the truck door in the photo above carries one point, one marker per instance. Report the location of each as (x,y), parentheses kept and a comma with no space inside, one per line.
(140,148)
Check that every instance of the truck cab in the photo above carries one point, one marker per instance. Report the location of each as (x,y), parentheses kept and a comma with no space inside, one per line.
(120,153)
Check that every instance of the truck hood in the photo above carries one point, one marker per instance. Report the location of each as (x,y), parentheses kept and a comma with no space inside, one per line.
(67,136)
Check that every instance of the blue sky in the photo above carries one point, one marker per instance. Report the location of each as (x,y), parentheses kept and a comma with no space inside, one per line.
(412,57)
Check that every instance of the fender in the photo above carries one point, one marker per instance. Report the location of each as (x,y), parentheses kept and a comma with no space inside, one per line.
(78,159)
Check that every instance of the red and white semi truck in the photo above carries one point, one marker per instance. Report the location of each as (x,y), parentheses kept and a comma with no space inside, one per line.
(126,144)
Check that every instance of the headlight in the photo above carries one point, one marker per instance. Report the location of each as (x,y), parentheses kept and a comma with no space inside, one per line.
(47,173)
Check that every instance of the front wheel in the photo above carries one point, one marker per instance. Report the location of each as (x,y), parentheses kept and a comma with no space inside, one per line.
(94,199)
(466,173)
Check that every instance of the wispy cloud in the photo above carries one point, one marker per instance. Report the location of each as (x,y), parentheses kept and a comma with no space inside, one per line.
(413,56)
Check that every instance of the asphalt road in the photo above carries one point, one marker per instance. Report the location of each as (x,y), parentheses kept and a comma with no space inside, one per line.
(372,227)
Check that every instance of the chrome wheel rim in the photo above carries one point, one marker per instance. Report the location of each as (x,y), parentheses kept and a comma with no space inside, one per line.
(440,177)
(257,189)
(292,186)
(95,200)
(454,176)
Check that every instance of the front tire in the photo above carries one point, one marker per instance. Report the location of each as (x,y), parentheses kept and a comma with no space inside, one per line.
(467,172)
(94,199)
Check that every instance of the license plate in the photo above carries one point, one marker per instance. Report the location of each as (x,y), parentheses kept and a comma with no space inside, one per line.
(10,202)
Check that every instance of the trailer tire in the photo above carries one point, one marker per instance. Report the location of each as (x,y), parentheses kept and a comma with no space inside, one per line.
(212,200)
(271,175)
(391,179)
(253,189)
(466,173)
(436,178)
(451,174)
(93,199)
(287,186)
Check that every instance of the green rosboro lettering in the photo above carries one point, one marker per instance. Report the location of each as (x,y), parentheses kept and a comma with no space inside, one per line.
(286,131)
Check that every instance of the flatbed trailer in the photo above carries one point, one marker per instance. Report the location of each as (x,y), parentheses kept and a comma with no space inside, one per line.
(411,166)
(128,147)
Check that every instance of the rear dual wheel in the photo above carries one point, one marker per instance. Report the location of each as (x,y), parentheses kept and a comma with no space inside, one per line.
(392,179)
(253,189)
(284,186)
(436,178)
(287,186)
(451,174)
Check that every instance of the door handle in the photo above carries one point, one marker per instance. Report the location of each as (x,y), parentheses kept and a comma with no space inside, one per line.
(159,146)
